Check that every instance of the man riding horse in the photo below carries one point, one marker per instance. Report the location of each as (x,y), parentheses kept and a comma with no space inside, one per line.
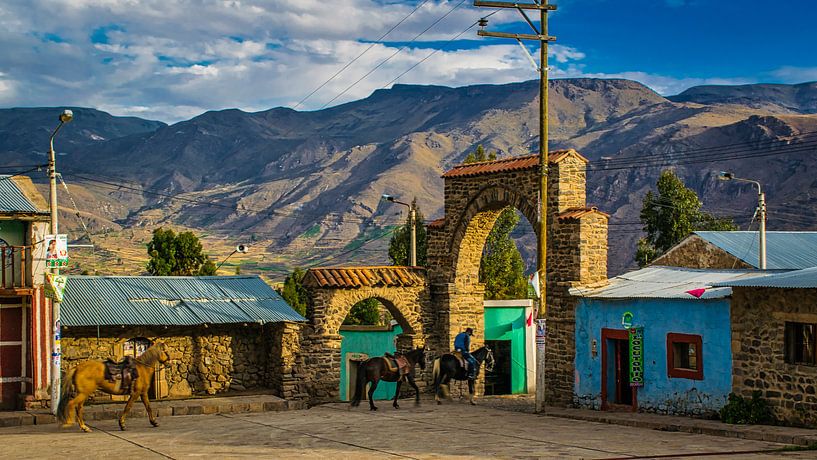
(462,344)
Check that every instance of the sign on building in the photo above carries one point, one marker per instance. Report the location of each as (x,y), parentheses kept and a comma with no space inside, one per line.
(55,286)
(56,252)
(637,356)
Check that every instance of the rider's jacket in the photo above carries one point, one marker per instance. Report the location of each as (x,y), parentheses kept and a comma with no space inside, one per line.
(462,342)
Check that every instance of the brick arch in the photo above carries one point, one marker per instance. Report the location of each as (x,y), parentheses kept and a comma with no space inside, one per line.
(475,223)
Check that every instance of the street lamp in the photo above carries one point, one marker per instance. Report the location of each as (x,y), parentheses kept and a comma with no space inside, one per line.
(412,226)
(761,209)
(65,117)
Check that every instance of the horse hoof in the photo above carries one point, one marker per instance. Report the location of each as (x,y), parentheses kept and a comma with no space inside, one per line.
(396,406)
(439,403)
(373,408)
(85,429)
(473,403)
(154,423)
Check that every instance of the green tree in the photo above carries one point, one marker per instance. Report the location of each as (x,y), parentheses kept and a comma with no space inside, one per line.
(502,268)
(180,254)
(399,245)
(294,292)
(670,216)
(365,312)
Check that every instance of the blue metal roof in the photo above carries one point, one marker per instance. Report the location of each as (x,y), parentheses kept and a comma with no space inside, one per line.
(659,282)
(784,250)
(802,279)
(12,199)
(171,300)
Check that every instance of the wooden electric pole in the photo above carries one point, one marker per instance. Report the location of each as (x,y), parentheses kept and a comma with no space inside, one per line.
(540,35)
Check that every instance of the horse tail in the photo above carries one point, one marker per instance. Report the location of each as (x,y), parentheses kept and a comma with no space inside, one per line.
(360,384)
(435,375)
(67,384)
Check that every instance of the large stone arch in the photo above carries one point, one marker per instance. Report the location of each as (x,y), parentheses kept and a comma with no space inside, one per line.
(476,222)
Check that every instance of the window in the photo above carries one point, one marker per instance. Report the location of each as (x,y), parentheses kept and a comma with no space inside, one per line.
(799,338)
(685,356)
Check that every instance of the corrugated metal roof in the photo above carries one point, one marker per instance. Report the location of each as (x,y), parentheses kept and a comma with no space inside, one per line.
(355,277)
(798,279)
(666,283)
(509,164)
(784,250)
(171,300)
(12,199)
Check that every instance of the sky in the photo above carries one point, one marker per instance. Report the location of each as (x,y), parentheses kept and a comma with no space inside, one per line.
(172,60)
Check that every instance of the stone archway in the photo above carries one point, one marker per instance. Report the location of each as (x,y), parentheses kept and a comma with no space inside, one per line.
(333,292)
(475,194)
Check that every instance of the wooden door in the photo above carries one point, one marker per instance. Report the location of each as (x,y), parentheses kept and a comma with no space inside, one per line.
(616,392)
(12,352)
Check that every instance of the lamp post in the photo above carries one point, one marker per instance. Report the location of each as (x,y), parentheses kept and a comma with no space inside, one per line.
(65,117)
(412,227)
(761,209)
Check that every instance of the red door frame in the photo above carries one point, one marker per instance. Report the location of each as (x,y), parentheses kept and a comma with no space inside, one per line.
(617,334)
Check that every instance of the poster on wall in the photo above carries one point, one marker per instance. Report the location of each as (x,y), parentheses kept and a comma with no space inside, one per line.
(56,250)
(541,333)
(54,286)
(636,356)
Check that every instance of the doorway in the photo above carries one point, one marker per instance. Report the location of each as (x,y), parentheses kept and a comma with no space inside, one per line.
(498,381)
(616,392)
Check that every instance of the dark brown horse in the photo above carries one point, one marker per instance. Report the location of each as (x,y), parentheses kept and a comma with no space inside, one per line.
(447,367)
(376,369)
(89,376)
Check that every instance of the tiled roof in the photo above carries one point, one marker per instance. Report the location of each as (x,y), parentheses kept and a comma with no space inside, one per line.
(171,300)
(578,213)
(509,164)
(659,282)
(439,223)
(784,250)
(355,277)
(18,195)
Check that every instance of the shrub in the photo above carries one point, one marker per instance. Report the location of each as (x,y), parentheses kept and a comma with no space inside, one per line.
(754,411)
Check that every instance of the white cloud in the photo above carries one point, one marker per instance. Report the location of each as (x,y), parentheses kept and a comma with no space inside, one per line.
(790,74)
(172,60)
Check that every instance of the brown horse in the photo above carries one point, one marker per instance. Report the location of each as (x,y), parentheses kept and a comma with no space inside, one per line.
(89,377)
(376,369)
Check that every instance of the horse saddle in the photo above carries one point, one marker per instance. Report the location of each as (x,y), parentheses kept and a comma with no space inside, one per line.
(460,359)
(124,370)
(397,363)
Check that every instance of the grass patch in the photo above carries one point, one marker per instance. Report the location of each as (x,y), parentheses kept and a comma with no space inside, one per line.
(312,232)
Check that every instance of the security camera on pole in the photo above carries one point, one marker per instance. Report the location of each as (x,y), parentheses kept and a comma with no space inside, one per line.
(56,353)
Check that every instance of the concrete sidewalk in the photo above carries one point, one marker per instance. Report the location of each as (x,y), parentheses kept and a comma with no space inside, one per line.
(208,405)
(779,434)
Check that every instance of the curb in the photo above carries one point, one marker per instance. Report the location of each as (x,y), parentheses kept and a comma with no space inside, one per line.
(782,435)
(204,406)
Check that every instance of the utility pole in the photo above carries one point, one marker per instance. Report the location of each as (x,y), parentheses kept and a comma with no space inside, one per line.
(56,352)
(540,35)
(413,243)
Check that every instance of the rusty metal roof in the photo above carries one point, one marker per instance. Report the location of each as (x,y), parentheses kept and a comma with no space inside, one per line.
(355,277)
(439,223)
(17,197)
(578,213)
(509,164)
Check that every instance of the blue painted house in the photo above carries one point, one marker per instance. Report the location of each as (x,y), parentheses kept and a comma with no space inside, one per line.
(655,340)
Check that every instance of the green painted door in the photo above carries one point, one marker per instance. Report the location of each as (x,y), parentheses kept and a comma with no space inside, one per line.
(373,343)
(508,324)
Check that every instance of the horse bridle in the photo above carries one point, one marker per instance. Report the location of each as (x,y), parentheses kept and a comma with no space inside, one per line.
(489,367)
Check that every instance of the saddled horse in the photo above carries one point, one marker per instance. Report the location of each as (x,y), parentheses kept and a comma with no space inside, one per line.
(90,376)
(448,367)
(379,368)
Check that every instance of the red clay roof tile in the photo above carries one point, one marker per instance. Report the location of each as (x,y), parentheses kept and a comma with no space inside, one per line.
(355,277)
(509,164)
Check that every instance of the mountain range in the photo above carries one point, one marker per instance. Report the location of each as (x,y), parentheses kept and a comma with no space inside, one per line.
(307,185)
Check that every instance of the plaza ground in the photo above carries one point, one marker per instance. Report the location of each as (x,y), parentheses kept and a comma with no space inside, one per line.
(336,431)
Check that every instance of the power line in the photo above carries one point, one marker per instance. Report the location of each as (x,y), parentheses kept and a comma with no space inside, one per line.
(359,55)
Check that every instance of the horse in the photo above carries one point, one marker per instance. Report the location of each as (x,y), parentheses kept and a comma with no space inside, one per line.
(88,377)
(448,367)
(376,369)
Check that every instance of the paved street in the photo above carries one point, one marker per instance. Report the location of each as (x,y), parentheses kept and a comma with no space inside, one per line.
(334,431)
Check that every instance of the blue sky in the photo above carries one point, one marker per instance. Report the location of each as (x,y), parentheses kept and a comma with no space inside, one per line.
(171,60)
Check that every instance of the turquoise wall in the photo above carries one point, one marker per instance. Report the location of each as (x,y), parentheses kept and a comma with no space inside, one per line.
(13,232)
(660,393)
(373,343)
(508,323)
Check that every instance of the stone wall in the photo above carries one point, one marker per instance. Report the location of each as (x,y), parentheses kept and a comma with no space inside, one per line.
(758,319)
(695,252)
(204,360)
